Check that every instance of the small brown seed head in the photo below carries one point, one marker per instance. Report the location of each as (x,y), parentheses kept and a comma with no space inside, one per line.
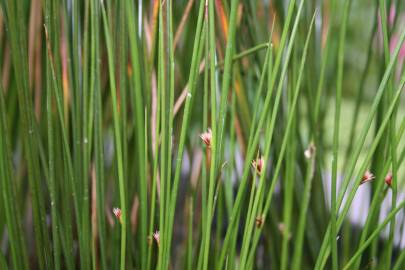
(367,177)
(157,237)
(258,165)
(388,179)
(259,221)
(206,137)
(118,214)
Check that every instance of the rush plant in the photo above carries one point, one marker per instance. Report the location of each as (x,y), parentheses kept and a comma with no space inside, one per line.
(226,134)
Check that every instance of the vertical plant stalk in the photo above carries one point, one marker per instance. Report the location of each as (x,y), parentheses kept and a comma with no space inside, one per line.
(10,205)
(169,113)
(207,152)
(154,183)
(374,234)
(117,138)
(162,84)
(299,238)
(51,158)
(18,44)
(51,175)
(140,101)
(325,250)
(229,52)
(212,173)
(375,204)
(98,132)
(391,136)
(235,215)
(336,129)
(86,143)
(267,66)
(186,120)
(288,130)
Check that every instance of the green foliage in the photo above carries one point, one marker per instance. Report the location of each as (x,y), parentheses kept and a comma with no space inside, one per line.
(203,134)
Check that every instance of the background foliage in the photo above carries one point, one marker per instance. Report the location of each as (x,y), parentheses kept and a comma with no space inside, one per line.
(104,104)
